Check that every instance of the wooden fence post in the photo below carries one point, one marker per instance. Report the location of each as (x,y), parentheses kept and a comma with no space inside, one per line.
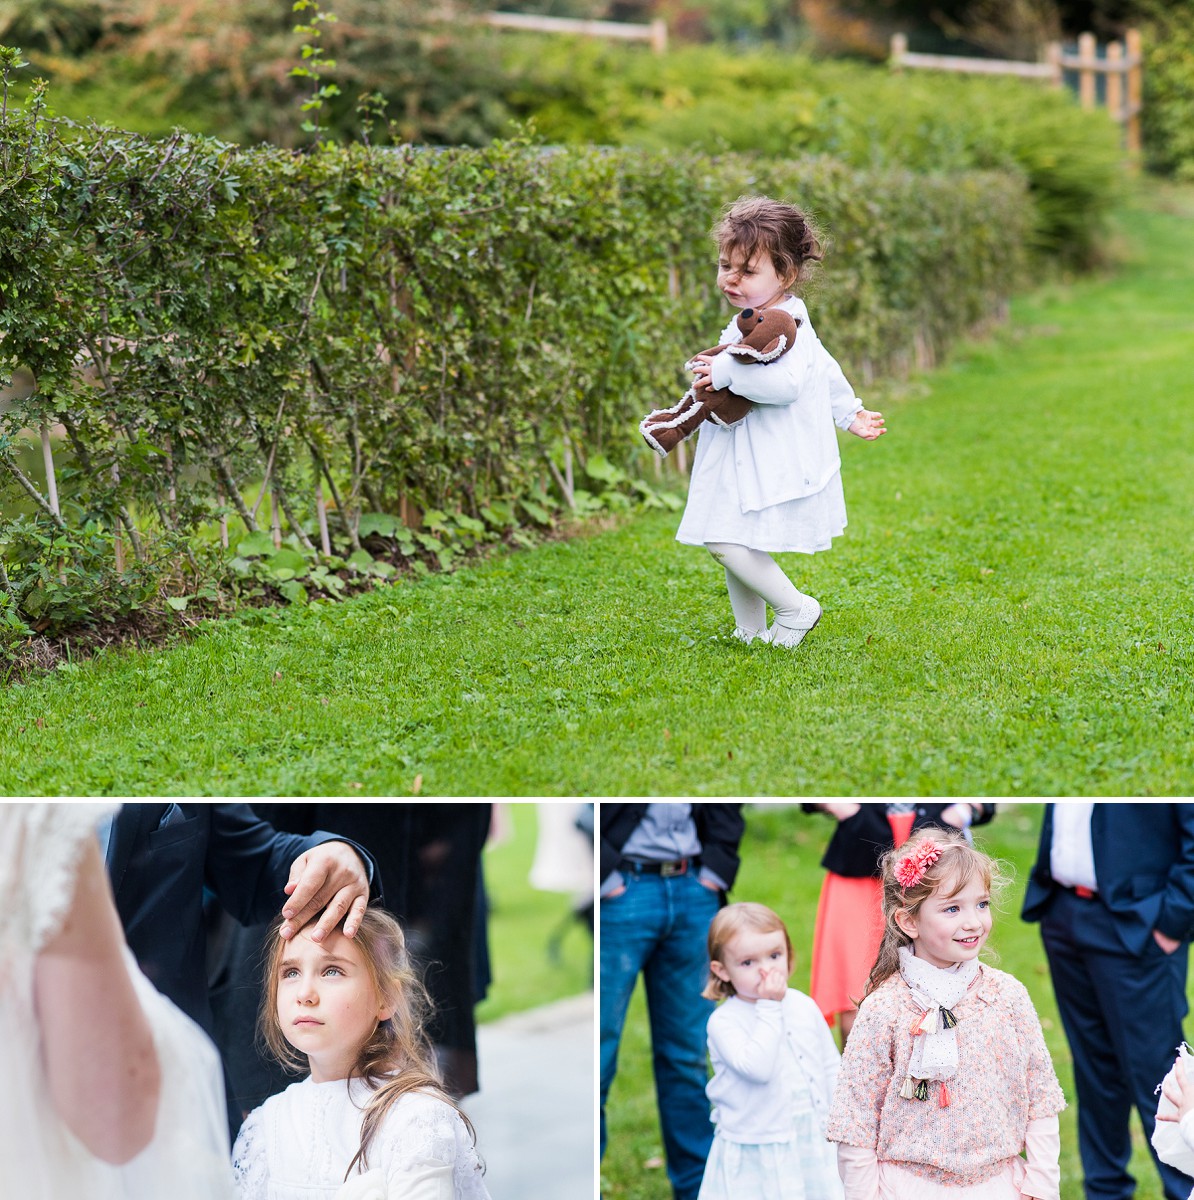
(659,35)
(899,47)
(1053,58)
(1135,92)
(1115,82)
(1088,53)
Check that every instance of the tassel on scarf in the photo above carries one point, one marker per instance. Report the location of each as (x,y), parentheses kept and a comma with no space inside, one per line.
(948,1020)
(922,1089)
(943,1098)
(925,1023)
(908,1091)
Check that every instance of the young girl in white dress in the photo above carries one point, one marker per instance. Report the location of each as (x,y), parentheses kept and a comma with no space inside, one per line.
(774,1068)
(946,1078)
(371,1121)
(772,481)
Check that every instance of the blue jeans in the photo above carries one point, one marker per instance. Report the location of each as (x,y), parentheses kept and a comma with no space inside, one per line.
(658,927)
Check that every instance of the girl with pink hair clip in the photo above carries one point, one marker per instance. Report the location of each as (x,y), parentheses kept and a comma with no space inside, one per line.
(946,1078)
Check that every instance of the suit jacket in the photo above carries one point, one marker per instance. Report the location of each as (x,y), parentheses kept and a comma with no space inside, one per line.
(1144,864)
(160,859)
(719,827)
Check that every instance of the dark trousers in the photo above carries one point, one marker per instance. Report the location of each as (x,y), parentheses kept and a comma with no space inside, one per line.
(1123,1019)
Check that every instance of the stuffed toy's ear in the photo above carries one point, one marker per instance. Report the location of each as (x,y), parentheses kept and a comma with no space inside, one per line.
(774,348)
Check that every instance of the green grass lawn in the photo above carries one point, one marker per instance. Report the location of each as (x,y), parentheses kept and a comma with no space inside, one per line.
(1008,614)
(781,852)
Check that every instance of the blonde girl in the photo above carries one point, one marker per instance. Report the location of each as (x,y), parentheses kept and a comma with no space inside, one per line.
(774,1067)
(945,1078)
(371,1121)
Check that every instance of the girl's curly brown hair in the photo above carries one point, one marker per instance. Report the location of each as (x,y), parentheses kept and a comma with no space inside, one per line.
(782,231)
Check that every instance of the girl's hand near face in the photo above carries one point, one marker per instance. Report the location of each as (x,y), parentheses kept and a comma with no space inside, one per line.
(773,984)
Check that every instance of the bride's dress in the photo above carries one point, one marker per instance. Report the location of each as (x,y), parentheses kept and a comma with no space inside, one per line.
(40,1159)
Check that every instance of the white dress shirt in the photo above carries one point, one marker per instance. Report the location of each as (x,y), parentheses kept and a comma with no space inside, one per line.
(1071,857)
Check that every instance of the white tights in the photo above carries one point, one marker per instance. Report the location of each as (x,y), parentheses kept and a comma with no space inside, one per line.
(754,580)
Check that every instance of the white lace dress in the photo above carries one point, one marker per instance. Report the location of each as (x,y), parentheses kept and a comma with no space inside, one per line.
(40,1159)
(297,1146)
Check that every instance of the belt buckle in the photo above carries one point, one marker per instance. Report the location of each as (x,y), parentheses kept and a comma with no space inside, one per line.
(670,869)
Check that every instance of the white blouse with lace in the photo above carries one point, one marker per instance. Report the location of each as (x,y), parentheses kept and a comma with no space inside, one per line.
(298,1145)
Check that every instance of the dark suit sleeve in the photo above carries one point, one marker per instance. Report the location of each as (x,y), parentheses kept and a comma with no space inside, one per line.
(617,824)
(1176,918)
(248,862)
(720,828)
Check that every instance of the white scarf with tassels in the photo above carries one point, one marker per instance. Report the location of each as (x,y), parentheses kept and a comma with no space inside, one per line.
(935,991)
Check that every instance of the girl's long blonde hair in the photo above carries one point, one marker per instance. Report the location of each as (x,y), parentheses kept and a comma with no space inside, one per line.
(958,864)
(397,1058)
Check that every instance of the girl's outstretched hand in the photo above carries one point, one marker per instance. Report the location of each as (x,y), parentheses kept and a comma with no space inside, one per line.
(868,425)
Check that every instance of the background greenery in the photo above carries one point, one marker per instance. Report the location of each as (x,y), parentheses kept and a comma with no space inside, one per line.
(781,854)
(1006,615)
(446,347)
(221,67)
(538,955)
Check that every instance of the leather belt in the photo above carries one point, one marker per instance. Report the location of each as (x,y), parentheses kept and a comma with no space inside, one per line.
(678,866)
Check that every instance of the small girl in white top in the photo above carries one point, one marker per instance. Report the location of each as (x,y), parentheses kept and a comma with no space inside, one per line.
(372,1121)
(774,1068)
(772,481)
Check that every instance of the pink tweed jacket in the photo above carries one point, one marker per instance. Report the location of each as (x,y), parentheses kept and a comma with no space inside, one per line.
(1004,1079)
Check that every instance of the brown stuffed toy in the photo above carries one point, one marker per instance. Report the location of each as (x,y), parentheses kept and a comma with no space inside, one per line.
(767,334)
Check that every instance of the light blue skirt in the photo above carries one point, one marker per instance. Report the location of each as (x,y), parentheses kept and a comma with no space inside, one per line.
(802,1168)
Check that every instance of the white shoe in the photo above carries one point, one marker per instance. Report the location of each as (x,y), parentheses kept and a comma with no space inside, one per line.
(790,636)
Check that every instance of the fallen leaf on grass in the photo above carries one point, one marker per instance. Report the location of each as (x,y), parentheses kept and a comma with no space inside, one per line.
(417,786)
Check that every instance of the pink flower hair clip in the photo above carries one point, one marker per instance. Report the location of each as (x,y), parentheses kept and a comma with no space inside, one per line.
(910,870)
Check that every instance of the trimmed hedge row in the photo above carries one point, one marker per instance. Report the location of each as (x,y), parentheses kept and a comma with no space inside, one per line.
(416,346)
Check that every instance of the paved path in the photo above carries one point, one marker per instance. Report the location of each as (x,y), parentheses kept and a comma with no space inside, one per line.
(535,1112)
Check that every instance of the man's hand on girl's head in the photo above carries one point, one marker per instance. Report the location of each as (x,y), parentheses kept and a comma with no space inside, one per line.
(329,881)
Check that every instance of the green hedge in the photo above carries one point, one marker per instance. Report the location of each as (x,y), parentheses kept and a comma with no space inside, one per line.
(452,346)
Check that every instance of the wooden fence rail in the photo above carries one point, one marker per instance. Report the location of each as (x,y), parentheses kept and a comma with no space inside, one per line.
(1121,66)
(655,32)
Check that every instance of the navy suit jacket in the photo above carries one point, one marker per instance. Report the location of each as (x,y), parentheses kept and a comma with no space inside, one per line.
(1144,864)
(161,857)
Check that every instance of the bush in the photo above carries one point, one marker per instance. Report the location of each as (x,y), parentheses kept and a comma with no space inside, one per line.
(785,105)
(1167,120)
(425,350)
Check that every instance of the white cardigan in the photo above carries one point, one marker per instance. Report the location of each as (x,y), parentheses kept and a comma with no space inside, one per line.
(762,1053)
(786,447)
